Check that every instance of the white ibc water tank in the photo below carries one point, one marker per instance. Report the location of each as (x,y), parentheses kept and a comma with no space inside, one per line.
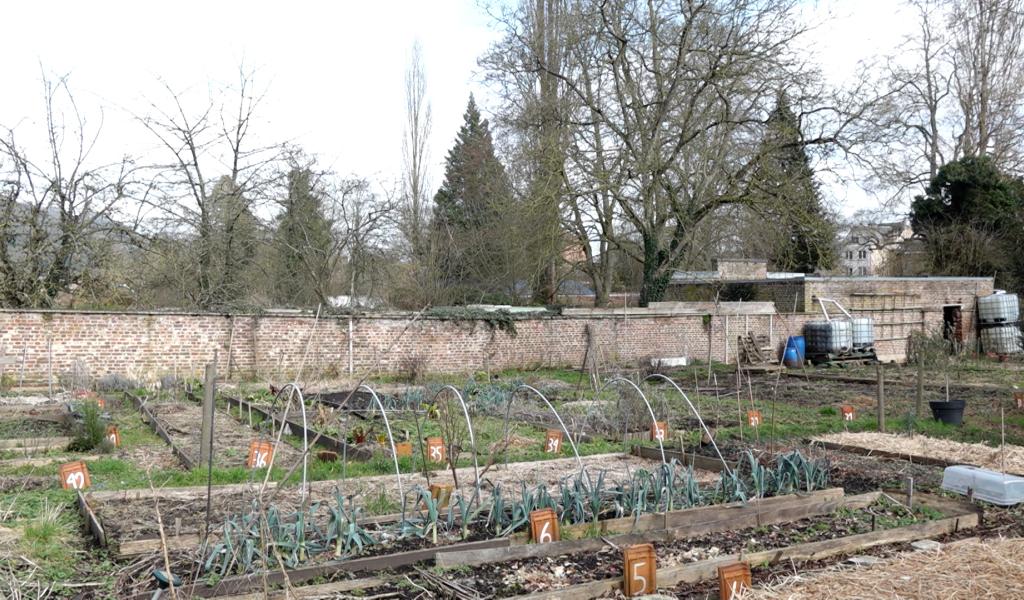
(998,308)
(1001,339)
(863,332)
(828,337)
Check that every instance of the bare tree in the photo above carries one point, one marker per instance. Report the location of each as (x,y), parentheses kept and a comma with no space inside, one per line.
(667,104)
(988,74)
(59,211)
(955,89)
(204,145)
(415,152)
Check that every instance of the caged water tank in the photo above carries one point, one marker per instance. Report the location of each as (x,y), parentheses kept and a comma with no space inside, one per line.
(863,332)
(998,308)
(1001,339)
(828,337)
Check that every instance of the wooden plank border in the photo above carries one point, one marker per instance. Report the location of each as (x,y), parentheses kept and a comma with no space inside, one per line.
(91,521)
(247,583)
(186,460)
(681,524)
(872,452)
(697,461)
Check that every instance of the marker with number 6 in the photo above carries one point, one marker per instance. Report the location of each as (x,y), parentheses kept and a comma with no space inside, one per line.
(544,526)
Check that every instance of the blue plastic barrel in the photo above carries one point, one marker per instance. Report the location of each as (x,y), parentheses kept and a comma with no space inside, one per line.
(791,358)
(797,342)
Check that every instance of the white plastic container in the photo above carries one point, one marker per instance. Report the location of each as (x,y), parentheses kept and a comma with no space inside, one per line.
(989,486)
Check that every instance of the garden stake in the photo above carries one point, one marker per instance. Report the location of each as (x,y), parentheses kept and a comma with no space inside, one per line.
(881,398)
(211,383)
(739,400)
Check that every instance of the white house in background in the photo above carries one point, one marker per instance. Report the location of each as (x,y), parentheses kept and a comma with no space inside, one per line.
(865,248)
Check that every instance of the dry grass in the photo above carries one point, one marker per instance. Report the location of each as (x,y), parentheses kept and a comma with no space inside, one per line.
(965,570)
(920,445)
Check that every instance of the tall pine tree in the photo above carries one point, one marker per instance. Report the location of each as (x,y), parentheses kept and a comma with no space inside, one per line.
(468,212)
(784,186)
(302,244)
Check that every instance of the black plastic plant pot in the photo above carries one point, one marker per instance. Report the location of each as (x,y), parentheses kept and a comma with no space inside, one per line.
(950,413)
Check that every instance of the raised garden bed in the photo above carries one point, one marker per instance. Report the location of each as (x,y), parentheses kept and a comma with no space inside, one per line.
(926,450)
(33,430)
(246,410)
(129,516)
(692,560)
(969,568)
(180,424)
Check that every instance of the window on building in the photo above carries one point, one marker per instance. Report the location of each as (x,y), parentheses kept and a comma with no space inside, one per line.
(862,254)
(849,254)
(856,239)
(862,270)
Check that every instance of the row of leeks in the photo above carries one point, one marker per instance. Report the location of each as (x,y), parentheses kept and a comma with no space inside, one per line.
(248,542)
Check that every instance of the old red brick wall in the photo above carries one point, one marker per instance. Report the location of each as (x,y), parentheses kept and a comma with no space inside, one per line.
(146,345)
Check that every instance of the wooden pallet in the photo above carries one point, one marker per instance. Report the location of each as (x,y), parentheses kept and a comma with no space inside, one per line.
(756,350)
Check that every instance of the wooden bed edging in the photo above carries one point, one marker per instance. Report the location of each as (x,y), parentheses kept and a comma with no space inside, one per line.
(687,523)
(691,516)
(314,591)
(810,551)
(247,583)
(913,458)
(697,461)
(91,521)
(186,460)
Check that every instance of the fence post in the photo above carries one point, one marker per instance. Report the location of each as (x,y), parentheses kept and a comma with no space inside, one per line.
(881,398)
(209,395)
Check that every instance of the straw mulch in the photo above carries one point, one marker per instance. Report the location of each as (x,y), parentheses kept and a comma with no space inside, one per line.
(965,570)
(919,445)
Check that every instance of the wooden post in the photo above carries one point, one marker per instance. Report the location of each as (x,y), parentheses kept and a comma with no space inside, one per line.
(920,388)
(209,394)
(881,399)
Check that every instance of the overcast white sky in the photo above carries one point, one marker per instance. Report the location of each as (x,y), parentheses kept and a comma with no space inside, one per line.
(333,71)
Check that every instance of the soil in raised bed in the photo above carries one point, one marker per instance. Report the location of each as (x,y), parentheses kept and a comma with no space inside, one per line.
(31,428)
(542,574)
(183,422)
(135,519)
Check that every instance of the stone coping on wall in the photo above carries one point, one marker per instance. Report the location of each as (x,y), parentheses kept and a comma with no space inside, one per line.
(751,309)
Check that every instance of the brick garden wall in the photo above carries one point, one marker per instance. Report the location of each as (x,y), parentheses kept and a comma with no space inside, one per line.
(147,345)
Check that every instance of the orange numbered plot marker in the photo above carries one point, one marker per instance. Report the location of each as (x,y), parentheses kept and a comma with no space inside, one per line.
(754,418)
(442,493)
(553,441)
(403,449)
(435,449)
(260,454)
(114,436)
(544,526)
(847,412)
(1018,398)
(659,431)
(74,476)
(640,570)
(732,579)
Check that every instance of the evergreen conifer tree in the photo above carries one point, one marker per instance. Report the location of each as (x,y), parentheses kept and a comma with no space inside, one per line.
(784,184)
(302,242)
(468,206)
